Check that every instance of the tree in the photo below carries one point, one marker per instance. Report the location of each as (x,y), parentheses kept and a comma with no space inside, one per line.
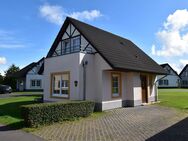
(9,79)
(11,70)
(1,79)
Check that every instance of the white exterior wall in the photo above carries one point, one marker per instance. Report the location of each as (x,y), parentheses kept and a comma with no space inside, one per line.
(94,76)
(30,77)
(63,63)
(172,80)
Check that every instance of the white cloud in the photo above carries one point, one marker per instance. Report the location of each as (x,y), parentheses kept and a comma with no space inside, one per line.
(183,61)
(3,60)
(153,50)
(11,46)
(56,14)
(52,13)
(89,15)
(8,40)
(173,37)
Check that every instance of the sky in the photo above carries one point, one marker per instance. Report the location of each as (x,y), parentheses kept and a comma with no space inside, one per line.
(159,28)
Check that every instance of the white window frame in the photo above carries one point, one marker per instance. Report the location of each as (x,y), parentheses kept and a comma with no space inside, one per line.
(35,83)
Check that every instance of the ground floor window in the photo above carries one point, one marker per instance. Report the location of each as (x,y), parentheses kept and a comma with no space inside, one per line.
(61,84)
(116,85)
(163,82)
(184,82)
(35,83)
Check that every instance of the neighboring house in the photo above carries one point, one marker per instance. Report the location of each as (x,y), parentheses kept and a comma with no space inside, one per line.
(171,80)
(88,63)
(184,77)
(30,77)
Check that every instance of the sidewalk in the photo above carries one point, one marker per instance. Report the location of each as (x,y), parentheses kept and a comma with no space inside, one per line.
(8,134)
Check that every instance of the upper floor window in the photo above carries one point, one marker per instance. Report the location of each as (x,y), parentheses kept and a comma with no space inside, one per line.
(76,44)
(67,46)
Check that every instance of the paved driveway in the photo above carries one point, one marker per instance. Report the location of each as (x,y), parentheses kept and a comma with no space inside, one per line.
(124,124)
(9,134)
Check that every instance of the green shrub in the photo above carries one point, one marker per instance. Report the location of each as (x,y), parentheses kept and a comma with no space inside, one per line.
(46,113)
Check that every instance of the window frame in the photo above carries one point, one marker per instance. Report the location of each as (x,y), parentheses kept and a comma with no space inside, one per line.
(119,85)
(60,95)
(38,80)
(35,82)
(62,50)
(31,82)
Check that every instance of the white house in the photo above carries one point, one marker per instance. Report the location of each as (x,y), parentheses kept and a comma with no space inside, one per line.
(170,80)
(184,77)
(31,77)
(88,63)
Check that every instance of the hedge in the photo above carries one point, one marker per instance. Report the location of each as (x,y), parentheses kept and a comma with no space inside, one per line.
(35,115)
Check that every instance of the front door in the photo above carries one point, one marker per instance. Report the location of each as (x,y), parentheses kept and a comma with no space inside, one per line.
(144,88)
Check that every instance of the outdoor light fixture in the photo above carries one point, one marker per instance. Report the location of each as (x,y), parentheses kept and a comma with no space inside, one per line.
(76,83)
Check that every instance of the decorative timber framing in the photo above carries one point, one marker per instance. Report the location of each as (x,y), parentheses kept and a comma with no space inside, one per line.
(68,35)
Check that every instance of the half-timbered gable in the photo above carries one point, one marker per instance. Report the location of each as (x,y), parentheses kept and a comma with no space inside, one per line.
(72,42)
(171,79)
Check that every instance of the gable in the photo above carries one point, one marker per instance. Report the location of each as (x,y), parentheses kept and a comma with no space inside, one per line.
(169,70)
(184,72)
(35,69)
(75,40)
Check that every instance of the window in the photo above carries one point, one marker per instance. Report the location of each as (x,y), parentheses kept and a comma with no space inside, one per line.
(160,82)
(116,83)
(163,82)
(66,46)
(38,83)
(184,82)
(32,83)
(75,44)
(60,84)
(35,83)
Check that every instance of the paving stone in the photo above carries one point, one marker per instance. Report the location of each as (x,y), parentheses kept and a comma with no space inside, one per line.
(141,123)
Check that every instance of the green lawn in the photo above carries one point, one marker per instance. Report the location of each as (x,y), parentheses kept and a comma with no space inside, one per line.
(25,92)
(176,98)
(10,113)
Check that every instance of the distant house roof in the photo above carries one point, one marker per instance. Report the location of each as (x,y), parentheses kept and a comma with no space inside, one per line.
(23,72)
(118,52)
(183,70)
(166,64)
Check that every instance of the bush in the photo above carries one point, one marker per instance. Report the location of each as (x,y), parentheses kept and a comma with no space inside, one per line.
(46,113)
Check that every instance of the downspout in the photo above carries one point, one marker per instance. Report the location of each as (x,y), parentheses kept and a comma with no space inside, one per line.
(84,64)
(156,89)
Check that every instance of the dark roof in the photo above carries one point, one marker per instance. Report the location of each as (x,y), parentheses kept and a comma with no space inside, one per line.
(22,73)
(183,70)
(166,64)
(118,52)
(41,70)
